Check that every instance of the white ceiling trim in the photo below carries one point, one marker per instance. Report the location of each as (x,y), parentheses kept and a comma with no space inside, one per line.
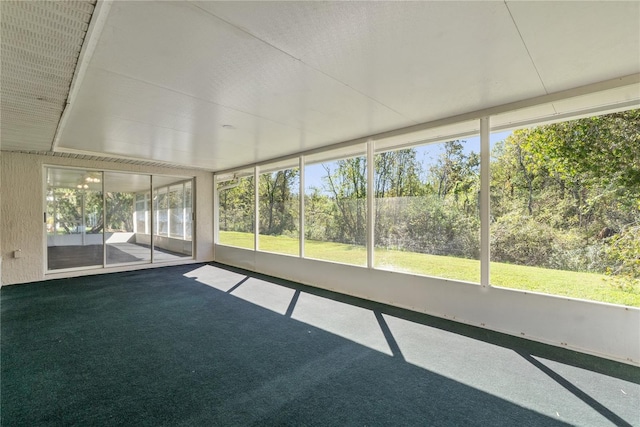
(102,158)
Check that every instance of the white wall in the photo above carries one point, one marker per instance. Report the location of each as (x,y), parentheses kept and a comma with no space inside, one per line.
(601,329)
(21,213)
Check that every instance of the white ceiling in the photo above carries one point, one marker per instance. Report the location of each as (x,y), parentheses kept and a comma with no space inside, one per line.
(166,77)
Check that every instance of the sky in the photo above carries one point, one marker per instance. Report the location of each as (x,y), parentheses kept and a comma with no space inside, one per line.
(427,154)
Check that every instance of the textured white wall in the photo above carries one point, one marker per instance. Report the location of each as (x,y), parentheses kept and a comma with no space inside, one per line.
(21,213)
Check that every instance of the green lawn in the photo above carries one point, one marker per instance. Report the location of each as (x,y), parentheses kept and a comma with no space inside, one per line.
(589,286)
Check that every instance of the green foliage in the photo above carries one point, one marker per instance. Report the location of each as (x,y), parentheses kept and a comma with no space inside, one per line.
(624,254)
(236,206)
(279,202)
(67,205)
(436,214)
(455,171)
(606,148)
(318,215)
(346,185)
(397,174)
(119,212)
(427,225)
(559,193)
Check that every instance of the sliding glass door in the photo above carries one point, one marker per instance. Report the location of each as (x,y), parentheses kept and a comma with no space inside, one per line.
(122,241)
(172,202)
(74,219)
(95,219)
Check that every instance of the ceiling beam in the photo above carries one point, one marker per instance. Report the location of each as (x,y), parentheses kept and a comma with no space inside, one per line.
(98,20)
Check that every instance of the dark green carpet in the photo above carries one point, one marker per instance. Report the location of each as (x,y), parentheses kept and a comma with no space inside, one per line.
(156,348)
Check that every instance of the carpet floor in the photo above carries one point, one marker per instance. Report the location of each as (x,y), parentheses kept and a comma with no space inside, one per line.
(209,345)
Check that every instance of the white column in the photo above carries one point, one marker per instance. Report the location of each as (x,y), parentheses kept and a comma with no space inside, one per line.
(104,222)
(256,207)
(152,217)
(301,223)
(184,211)
(216,213)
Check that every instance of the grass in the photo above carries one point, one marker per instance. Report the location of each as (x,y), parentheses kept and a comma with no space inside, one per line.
(590,286)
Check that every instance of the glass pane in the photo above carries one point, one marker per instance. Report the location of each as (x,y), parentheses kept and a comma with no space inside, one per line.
(565,211)
(236,212)
(161,211)
(142,223)
(74,218)
(176,211)
(126,236)
(336,210)
(427,214)
(279,212)
(170,242)
(188,209)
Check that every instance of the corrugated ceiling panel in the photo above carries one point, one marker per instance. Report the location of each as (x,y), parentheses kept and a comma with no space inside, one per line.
(106,159)
(41,42)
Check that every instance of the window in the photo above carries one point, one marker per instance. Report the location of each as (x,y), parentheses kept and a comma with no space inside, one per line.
(176,211)
(173,217)
(564,213)
(161,205)
(236,211)
(81,234)
(336,208)
(426,209)
(142,218)
(279,194)
(564,208)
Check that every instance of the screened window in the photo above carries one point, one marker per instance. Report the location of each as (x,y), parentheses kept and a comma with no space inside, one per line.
(279,195)
(236,211)
(564,206)
(426,209)
(336,209)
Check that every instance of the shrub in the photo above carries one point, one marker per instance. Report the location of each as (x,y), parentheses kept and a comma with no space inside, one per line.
(623,254)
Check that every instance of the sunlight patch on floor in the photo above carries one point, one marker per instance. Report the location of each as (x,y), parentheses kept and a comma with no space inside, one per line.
(265,294)
(353,323)
(218,278)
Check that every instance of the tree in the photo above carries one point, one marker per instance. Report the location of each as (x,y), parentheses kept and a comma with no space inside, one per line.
(397,174)
(278,204)
(347,185)
(562,190)
(605,147)
(624,256)
(236,206)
